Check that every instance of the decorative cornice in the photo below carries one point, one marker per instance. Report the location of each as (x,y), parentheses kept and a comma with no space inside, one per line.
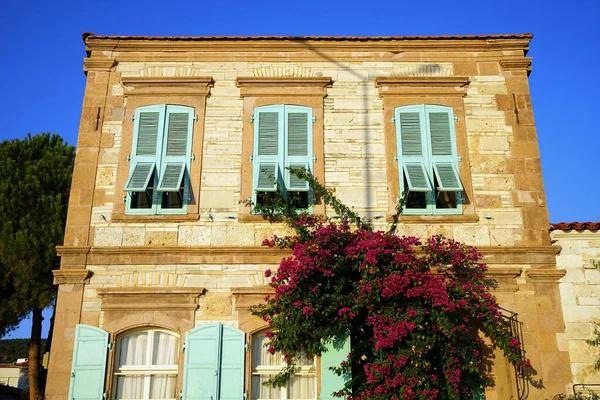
(511,64)
(167,85)
(151,299)
(545,275)
(248,297)
(422,85)
(277,46)
(253,86)
(70,276)
(98,64)
(146,255)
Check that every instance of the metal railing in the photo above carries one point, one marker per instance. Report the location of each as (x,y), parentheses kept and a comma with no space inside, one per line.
(516,330)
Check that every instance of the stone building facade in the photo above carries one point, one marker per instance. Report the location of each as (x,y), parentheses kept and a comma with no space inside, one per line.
(141,259)
(580,297)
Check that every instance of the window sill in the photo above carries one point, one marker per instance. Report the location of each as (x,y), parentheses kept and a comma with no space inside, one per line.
(118,217)
(424,219)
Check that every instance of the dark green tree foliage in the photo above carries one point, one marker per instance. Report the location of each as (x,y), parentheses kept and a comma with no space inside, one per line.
(35,177)
(13,349)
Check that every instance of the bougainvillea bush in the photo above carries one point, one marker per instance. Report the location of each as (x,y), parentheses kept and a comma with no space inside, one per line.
(414,310)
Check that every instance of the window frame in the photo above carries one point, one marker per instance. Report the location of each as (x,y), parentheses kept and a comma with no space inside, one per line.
(147,370)
(428,159)
(397,91)
(311,371)
(282,160)
(190,91)
(264,91)
(160,161)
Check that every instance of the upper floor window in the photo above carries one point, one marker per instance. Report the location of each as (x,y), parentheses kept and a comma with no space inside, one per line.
(283,138)
(146,366)
(158,181)
(427,159)
(302,385)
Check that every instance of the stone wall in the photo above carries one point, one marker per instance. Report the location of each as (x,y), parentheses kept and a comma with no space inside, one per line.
(580,297)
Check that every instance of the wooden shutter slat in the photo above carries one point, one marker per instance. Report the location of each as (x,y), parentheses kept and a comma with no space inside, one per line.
(140,177)
(177,134)
(147,135)
(231,375)
(171,177)
(447,177)
(416,177)
(268,134)
(295,183)
(267,177)
(441,133)
(297,134)
(410,128)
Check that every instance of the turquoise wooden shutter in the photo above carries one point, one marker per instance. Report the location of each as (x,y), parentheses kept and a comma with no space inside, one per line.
(298,145)
(443,147)
(176,148)
(412,148)
(148,128)
(337,351)
(231,375)
(89,363)
(268,128)
(201,362)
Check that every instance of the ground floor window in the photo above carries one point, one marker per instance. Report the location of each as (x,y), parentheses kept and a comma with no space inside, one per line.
(302,386)
(146,365)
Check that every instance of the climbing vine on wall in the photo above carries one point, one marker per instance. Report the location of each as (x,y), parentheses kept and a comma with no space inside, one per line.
(415,311)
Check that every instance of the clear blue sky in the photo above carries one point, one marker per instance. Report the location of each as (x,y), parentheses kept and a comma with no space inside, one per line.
(41,55)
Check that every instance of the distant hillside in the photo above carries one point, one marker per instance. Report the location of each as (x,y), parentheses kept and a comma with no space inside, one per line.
(12,349)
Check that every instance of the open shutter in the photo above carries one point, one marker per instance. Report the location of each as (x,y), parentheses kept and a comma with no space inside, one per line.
(201,362)
(410,129)
(268,125)
(337,351)
(89,363)
(148,127)
(298,145)
(443,148)
(231,386)
(176,148)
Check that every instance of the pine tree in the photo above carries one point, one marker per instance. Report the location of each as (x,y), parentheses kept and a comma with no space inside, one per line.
(35,177)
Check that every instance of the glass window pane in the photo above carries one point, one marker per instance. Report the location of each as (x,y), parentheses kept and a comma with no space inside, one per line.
(260,356)
(262,392)
(302,387)
(165,349)
(162,386)
(133,349)
(130,387)
(305,360)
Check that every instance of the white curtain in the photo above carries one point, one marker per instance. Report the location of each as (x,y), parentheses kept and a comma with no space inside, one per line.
(133,349)
(260,355)
(262,392)
(165,349)
(130,387)
(302,387)
(162,387)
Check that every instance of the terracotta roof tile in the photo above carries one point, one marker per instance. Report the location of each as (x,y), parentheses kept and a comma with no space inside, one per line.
(578,226)
(89,35)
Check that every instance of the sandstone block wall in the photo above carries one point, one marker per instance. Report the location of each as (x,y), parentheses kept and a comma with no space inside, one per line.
(580,298)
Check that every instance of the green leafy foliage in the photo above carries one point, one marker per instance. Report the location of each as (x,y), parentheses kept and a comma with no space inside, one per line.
(415,311)
(13,349)
(35,176)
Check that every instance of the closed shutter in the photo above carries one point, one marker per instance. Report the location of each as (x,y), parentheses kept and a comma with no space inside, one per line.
(201,365)
(89,363)
(337,351)
(298,145)
(214,363)
(268,123)
(412,150)
(232,364)
(176,147)
(443,148)
(148,127)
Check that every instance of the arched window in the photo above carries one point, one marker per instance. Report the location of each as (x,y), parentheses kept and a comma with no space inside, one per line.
(302,386)
(146,365)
